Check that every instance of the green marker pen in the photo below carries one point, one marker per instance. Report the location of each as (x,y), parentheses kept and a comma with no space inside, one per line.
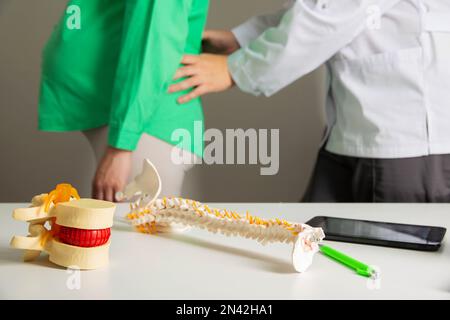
(359,267)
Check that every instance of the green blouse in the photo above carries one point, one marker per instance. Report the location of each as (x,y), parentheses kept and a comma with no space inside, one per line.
(110,62)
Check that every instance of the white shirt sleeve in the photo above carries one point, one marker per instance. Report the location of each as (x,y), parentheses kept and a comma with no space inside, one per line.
(255,26)
(309,34)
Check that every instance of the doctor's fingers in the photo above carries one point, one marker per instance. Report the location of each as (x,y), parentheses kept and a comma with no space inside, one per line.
(185,72)
(190,59)
(185,84)
(197,92)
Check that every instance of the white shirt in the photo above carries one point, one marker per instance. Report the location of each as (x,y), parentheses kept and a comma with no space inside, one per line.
(388,66)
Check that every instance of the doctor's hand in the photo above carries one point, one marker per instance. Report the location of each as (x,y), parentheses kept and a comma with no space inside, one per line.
(220,42)
(112,174)
(205,73)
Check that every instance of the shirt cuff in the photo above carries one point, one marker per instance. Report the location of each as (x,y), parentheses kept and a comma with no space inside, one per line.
(236,67)
(122,139)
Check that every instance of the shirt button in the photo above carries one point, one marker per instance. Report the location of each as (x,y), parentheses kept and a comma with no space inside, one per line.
(322,4)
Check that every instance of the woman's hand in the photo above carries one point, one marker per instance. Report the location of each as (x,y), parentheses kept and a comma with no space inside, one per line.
(112,174)
(220,42)
(206,73)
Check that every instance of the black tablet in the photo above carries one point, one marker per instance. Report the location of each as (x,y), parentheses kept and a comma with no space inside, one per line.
(406,236)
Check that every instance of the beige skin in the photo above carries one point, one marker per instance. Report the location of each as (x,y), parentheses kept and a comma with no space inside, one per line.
(206,73)
(112,174)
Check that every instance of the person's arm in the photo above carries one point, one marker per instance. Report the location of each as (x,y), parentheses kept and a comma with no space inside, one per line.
(255,26)
(226,42)
(308,35)
(153,43)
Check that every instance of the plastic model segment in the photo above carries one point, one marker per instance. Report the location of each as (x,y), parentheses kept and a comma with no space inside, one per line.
(62,193)
(178,214)
(78,233)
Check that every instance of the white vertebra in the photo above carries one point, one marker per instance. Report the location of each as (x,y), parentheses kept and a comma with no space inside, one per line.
(170,214)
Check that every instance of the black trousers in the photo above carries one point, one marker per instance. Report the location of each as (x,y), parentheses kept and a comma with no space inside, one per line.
(339,178)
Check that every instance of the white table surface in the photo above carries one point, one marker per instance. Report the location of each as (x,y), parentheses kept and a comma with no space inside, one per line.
(199,265)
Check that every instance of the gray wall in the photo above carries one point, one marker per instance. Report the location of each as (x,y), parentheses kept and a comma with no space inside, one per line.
(33,161)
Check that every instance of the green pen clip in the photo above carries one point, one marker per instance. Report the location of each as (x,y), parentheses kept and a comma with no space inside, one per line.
(360,268)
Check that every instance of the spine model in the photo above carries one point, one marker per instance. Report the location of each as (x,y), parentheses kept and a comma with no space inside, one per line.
(79,229)
(162,213)
(169,214)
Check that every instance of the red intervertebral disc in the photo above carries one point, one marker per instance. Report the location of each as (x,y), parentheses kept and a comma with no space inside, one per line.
(82,237)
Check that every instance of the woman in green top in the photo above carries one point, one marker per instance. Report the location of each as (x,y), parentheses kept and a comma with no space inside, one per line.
(108,66)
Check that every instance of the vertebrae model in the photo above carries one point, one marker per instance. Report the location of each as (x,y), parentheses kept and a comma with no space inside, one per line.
(79,228)
(151,215)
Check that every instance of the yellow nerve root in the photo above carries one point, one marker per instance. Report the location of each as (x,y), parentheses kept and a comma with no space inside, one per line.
(62,193)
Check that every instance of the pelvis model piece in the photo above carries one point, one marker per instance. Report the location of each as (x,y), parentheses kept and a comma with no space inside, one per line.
(79,231)
(152,215)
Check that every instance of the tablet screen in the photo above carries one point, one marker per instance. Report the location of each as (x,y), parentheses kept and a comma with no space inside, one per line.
(380,233)
(377,230)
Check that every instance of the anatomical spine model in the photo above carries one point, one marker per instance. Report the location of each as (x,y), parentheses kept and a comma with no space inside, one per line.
(151,215)
(79,231)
